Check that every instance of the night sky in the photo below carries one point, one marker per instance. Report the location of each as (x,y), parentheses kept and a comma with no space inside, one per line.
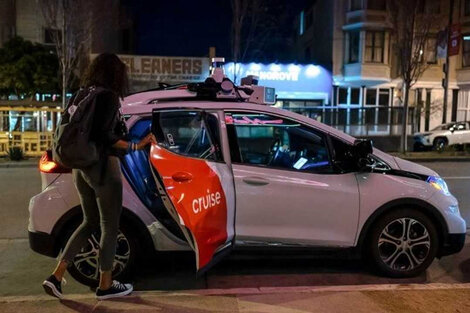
(185,28)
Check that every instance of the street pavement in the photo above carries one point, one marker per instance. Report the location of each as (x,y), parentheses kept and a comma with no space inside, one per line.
(167,281)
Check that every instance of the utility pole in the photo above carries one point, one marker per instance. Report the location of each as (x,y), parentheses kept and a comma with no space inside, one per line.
(446,65)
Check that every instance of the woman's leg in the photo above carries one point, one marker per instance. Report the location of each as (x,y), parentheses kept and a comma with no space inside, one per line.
(90,224)
(109,199)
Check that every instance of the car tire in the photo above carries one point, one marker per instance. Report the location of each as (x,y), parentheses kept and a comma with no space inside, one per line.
(402,243)
(440,144)
(84,267)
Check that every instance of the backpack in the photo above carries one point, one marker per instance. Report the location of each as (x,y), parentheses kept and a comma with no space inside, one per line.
(71,145)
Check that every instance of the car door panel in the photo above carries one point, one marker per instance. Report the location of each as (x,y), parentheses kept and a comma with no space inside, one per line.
(287,191)
(295,207)
(199,195)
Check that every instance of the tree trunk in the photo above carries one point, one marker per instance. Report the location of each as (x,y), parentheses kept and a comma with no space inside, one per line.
(404,123)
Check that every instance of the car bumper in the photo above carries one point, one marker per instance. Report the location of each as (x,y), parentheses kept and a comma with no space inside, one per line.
(454,243)
(43,243)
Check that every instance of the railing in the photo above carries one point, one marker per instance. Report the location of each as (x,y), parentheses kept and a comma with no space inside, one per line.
(363,121)
(32,143)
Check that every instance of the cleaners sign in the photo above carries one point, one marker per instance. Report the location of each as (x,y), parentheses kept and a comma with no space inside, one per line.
(166,69)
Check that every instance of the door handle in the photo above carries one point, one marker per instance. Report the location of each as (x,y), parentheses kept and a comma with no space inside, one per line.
(182,177)
(255,181)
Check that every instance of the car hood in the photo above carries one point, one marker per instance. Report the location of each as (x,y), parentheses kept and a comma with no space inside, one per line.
(404,165)
(412,167)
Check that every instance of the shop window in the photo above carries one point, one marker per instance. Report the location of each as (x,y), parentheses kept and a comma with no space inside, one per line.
(376,5)
(371,96)
(466,50)
(274,142)
(431,50)
(374,47)
(356,5)
(353,47)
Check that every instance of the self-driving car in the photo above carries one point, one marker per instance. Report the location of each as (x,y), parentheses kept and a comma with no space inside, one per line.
(232,173)
(455,133)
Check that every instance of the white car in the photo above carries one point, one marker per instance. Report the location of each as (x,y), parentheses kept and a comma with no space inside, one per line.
(232,173)
(456,133)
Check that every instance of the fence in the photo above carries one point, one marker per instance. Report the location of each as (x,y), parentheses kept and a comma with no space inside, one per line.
(363,121)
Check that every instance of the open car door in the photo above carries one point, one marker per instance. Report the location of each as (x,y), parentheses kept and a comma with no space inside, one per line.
(194,182)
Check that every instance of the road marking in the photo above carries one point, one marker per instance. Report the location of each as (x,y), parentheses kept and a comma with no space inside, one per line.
(457,177)
(245,291)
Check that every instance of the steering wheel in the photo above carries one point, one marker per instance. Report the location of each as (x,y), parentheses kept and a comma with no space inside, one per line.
(273,151)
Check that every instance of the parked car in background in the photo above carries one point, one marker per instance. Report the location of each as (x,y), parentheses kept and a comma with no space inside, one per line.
(230,173)
(455,133)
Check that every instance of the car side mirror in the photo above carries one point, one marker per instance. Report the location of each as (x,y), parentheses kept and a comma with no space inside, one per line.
(362,148)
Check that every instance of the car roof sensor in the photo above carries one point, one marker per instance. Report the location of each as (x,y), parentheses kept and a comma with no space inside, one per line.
(219,86)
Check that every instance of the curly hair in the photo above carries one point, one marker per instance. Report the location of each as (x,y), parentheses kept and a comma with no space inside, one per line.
(107,71)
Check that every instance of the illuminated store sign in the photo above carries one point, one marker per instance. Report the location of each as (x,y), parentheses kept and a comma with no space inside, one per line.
(291,81)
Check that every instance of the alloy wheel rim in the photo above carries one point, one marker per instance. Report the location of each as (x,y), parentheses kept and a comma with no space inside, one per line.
(87,260)
(404,244)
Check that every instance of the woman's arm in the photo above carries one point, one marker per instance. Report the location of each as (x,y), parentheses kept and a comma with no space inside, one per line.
(125,145)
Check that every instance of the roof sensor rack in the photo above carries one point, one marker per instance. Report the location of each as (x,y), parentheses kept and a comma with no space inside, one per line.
(219,86)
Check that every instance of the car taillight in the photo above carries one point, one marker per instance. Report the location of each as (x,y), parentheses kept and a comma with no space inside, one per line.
(47,164)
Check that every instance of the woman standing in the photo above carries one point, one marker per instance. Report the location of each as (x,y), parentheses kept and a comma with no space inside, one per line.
(100,186)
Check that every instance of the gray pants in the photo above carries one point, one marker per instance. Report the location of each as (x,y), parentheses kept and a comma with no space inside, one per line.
(101,205)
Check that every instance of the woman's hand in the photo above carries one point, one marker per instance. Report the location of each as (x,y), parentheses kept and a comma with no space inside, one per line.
(149,139)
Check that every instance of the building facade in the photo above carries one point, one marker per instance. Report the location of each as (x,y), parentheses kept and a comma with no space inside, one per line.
(354,39)
(114,30)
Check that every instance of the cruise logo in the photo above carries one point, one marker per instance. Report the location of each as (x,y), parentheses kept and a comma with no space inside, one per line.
(207,201)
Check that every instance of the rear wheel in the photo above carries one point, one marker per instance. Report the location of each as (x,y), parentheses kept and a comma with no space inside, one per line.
(403,243)
(85,266)
(440,144)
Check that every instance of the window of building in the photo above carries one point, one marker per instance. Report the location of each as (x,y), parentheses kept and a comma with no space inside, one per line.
(343,96)
(301,22)
(374,47)
(50,34)
(466,50)
(466,9)
(431,47)
(384,97)
(274,142)
(371,96)
(356,5)
(355,96)
(309,19)
(429,6)
(353,56)
(376,5)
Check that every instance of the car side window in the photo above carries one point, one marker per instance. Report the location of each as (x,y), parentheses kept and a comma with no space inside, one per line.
(189,133)
(275,142)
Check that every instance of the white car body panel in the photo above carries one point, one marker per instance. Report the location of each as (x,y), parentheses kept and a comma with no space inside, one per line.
(312,209)
(297,207)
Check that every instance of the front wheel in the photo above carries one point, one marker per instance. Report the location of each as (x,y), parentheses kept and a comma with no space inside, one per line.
(403,243)
(85,266)
(440,144)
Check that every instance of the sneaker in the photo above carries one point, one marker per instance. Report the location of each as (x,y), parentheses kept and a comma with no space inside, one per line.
(116,290)
(53,287)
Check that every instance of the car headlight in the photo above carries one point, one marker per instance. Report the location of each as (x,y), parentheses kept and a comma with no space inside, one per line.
(439,184)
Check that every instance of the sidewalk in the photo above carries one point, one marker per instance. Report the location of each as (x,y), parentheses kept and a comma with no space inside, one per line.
(31,162)
(348,299)
(434,156)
